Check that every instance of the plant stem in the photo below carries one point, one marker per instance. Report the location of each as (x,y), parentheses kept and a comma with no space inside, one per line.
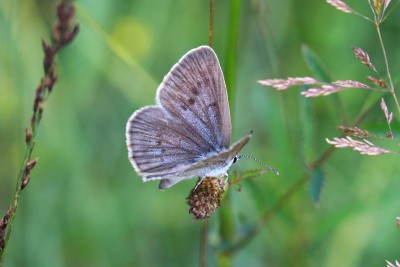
(226,230)
(230,64)
(203,244)
(18,190)
(387,66)
(211,30)
(204,228)
(64,31)
(226,225)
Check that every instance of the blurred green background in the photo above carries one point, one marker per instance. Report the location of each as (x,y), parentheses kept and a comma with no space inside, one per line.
(85,205)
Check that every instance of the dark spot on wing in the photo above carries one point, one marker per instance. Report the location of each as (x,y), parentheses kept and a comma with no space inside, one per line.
(159,142)
(191,101)
(207,81)
(183,107)
(163,150)
(195,91)
(213,104)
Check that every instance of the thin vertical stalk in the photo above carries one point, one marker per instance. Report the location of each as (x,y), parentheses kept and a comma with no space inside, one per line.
(64,31)
(230,64)
(226,217)
(203,244)
(226,231)
(387,66)
(211,30)
(204,228)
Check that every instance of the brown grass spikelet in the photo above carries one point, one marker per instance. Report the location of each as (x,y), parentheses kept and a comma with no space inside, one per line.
(3,226)
(354,132)
(378,82)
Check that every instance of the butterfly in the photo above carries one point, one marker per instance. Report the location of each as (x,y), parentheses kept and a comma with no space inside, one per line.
(188,132)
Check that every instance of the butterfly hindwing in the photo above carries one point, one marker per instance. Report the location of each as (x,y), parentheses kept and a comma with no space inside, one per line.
(157,144)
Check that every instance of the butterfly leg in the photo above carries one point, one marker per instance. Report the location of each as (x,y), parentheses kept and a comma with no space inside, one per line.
(199,182)
(224,177)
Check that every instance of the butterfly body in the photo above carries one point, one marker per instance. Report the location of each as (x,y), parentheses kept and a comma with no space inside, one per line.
(187,133)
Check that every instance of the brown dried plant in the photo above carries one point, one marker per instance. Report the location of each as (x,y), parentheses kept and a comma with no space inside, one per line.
(63,32)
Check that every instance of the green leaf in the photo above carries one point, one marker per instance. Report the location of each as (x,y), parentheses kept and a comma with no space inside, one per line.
(315,65)
(306,119)
(317,182)
(321,74)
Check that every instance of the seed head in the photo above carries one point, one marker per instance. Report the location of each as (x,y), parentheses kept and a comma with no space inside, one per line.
(363,57)
(378,82)
(340,5)
(206,197)
(355,132)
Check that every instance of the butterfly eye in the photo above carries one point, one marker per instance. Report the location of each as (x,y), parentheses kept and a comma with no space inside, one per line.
(236,158)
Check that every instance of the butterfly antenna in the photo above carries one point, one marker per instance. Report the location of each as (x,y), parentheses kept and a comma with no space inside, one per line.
(262,163)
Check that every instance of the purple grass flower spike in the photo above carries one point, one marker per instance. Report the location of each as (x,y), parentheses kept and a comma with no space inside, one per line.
(339,5)
(389,264)
(363,57)
(364,147)
(385,5)
(283,84)
(350,84)
(323,91)
(384,108)
(389,117)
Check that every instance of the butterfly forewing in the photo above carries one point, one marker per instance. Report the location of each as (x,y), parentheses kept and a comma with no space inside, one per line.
(194,94)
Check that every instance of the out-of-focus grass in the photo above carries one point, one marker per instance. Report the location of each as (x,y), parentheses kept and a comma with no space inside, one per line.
(85,206)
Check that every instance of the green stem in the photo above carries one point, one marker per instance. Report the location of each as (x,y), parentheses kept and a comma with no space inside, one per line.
(203,244)
(226,230)
(226,227)
(65,33)
(18,190)
(230,66)
(391,89)
(211,30)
